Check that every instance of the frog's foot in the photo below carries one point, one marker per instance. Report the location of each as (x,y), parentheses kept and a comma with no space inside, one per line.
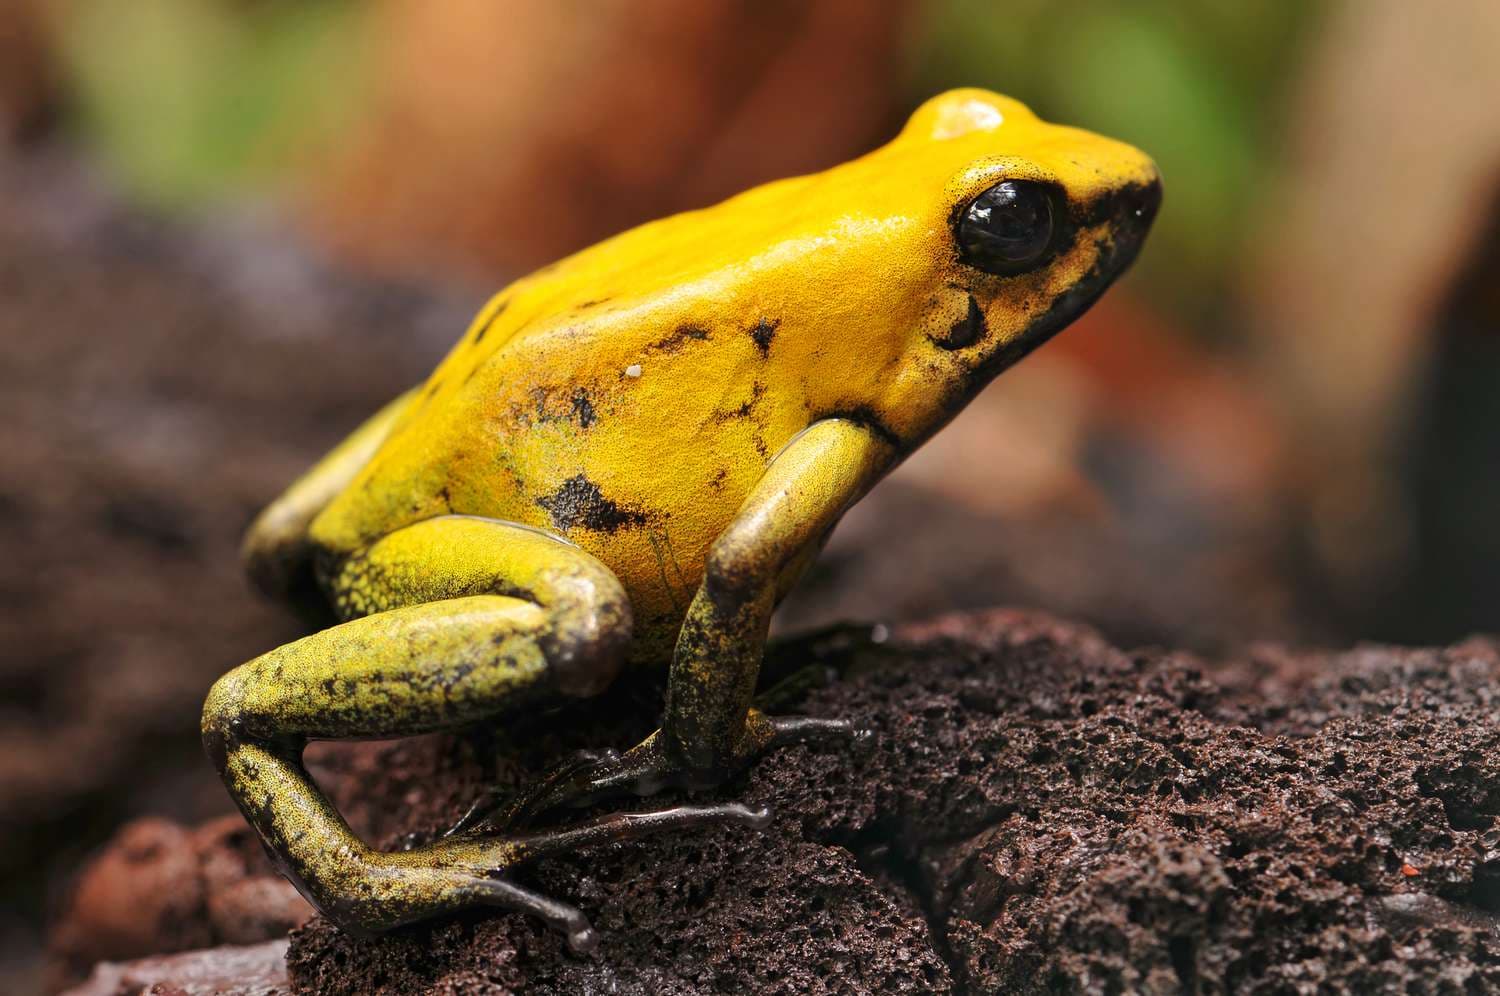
(651,766)
(472,868)
(493,799)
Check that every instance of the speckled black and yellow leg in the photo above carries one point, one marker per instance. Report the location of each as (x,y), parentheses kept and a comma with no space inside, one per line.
(451,621)
(709,730)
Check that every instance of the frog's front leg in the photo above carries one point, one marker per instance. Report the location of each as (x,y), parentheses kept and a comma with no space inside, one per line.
(709,730)
(450,621)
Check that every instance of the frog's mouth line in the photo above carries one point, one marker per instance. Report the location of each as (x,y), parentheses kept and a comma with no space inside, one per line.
(1127,213)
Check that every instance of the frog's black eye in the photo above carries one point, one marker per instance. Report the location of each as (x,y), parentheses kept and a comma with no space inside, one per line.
(1007,229)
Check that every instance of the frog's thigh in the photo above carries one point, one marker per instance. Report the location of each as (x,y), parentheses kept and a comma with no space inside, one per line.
(515,617)
(458,618)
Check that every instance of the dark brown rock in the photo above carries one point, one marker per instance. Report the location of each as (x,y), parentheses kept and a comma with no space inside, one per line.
(1039,812)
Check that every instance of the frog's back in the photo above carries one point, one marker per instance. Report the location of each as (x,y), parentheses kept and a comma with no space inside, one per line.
(638,451)
(630,396)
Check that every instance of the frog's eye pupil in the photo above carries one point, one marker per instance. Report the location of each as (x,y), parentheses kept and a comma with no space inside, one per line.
(1007,229)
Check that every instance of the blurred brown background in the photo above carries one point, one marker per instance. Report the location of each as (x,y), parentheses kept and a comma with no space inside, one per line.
(230,228)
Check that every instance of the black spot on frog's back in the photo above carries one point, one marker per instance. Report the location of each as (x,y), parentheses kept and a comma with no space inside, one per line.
(583,408)
(762,332)
(484,329)
(552,404)
(579,504)
(679,338)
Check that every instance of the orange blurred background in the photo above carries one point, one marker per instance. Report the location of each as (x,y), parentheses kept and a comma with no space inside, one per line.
(230,228)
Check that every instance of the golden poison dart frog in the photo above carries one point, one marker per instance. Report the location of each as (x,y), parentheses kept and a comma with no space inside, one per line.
(629,457)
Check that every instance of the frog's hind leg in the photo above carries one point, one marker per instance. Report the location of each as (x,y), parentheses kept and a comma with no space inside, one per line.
(452,621)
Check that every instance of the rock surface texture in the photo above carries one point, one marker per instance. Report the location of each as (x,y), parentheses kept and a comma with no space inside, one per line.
(1039,812)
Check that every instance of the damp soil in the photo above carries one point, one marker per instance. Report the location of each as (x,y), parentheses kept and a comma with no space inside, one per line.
(1038,811)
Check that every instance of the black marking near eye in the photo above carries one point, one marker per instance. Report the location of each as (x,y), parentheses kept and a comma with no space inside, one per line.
(1128,213)
(966,331)
(763,332)
(579,502)
(1132,206)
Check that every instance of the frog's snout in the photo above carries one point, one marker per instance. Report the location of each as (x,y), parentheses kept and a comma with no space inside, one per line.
(1143,200)
(1129,212)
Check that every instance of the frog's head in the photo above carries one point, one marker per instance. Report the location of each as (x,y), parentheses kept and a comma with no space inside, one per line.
(1021,226)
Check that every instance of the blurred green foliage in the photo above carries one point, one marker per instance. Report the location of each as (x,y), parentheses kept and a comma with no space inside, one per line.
(1199,84)
(195,99)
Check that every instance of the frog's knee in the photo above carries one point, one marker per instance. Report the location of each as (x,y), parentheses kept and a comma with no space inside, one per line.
(347,887)
(590,629)
(222,716)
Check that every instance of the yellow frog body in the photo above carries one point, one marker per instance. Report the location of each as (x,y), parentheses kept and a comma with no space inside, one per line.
(630,456)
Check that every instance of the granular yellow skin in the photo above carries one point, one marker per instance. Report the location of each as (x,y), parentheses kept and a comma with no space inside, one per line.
(630,456)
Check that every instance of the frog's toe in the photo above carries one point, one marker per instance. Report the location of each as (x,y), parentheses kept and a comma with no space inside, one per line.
(787,730)
(650,766)
(632,826)
(559,916)
(475,869)
(493,801)
(578,781)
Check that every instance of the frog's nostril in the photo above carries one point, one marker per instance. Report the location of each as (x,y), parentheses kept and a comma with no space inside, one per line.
(1126,213)
(1142,201)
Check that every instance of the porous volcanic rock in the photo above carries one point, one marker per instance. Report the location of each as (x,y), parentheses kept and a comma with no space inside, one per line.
(1038,812)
